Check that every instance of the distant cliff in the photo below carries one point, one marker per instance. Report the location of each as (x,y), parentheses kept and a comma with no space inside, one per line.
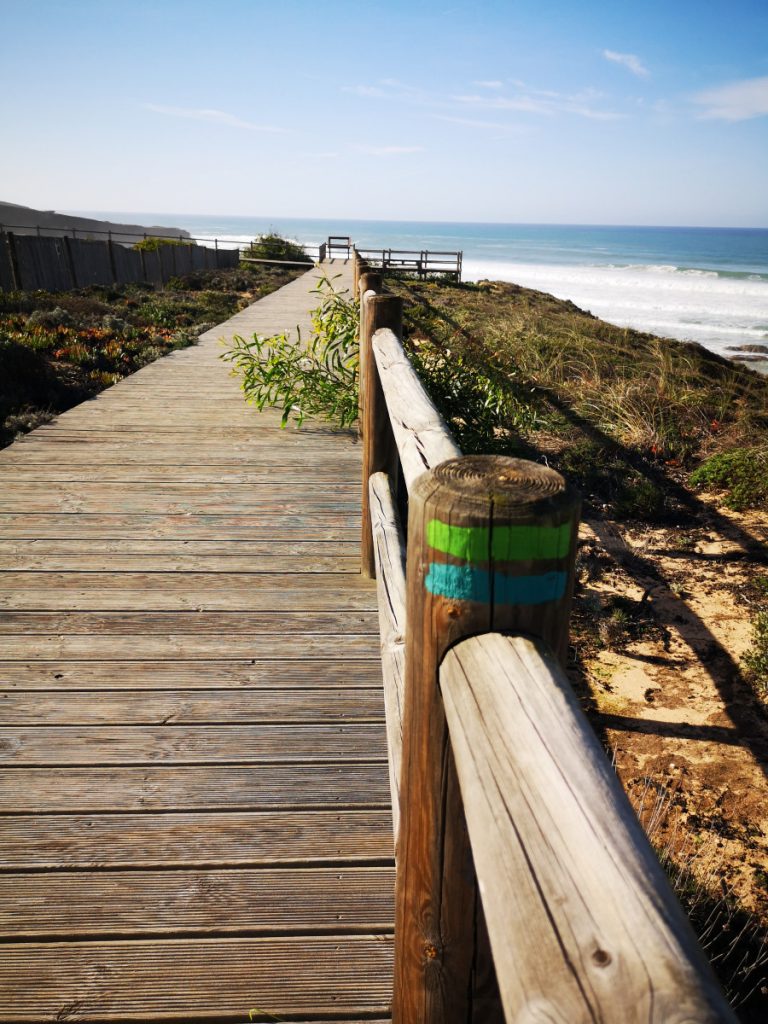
(24,221)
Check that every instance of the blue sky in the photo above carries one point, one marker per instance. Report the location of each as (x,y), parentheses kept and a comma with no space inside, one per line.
(615,112)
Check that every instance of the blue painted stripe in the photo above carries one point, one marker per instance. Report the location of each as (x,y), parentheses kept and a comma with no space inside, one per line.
(459,582)
(464,583)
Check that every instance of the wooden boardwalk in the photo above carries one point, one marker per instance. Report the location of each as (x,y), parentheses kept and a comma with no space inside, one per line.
(194,801)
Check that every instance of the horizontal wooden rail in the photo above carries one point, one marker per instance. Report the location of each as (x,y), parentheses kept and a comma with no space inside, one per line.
(422,435)
(422,262)
(389,548)
(557,846)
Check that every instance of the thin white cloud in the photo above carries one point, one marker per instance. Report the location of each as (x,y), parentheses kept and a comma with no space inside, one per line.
(628,60)
(368,91)
(546,104)
(471,122)
(212,117)
(388,150)
(737,101)
(518,98)
(524,104)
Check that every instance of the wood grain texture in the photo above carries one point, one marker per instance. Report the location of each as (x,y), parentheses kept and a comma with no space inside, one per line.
(389,549)
(583,923)
(192,839)
(377,312)
(200,788)
(422,435)
(196,980)
(192,734)
(200,623)
(175,646)
(189,744)
(124,904)
(188,707)
(263,673)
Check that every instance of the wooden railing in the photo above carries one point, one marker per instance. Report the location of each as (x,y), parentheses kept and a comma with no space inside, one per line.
(421,262)
(526,888)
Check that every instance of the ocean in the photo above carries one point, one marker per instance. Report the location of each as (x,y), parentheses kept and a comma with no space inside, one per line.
(700,284)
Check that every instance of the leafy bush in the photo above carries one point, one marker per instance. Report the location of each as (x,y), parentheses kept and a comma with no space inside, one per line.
(742,473)
(316,379)
(274,247)
(153,243)
(479,404)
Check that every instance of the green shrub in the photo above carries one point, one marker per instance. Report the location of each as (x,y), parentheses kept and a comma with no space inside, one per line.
(153,243)
(316,379)
(756,658)
(742,473)
(274,247)
(481,405)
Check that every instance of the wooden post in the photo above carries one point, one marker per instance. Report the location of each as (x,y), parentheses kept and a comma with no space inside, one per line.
(491,544)
(70,262)
(379,448)
(14,260)
(368,281)
(111,253)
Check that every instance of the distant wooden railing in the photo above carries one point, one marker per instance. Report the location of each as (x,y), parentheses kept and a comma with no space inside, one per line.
(421,262)
(526,888)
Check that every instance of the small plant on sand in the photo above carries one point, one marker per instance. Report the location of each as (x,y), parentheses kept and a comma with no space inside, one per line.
(313,378)
(742,473)
(756,659)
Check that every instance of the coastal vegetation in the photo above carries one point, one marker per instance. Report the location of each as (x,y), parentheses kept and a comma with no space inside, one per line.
(153,243)
(57,349)
(272,246)
(316,377)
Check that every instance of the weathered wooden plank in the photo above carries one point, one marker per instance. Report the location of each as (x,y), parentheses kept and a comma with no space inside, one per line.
(186,646)
(268,901)
(260,474)
(84,592)
(316,561)
(201,674)
(257,838)
(187,744)
(245,551)
(150,623)
(142,498)
(57,525)
(202,980)
(199,788)
(582,921)
(390,555)
(379,448)
(188,707)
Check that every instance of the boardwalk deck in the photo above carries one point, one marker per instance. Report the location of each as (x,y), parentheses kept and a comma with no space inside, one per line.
(194,802)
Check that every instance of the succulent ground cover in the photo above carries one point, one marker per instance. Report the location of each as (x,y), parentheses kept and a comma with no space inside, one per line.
(57,349)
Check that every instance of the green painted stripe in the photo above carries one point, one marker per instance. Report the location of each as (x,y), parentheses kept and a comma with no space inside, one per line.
(510,543)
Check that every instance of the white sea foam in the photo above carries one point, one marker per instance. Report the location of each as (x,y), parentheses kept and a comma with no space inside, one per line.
(689,305)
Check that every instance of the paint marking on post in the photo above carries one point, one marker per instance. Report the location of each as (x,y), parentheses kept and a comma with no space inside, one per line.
(503,544)
(468,583)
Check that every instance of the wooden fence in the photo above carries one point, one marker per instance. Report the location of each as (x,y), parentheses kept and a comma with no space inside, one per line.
(31,262)
(526,888)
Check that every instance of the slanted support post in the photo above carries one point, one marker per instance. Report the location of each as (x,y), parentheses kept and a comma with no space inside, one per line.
(379,448)
(491,545)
